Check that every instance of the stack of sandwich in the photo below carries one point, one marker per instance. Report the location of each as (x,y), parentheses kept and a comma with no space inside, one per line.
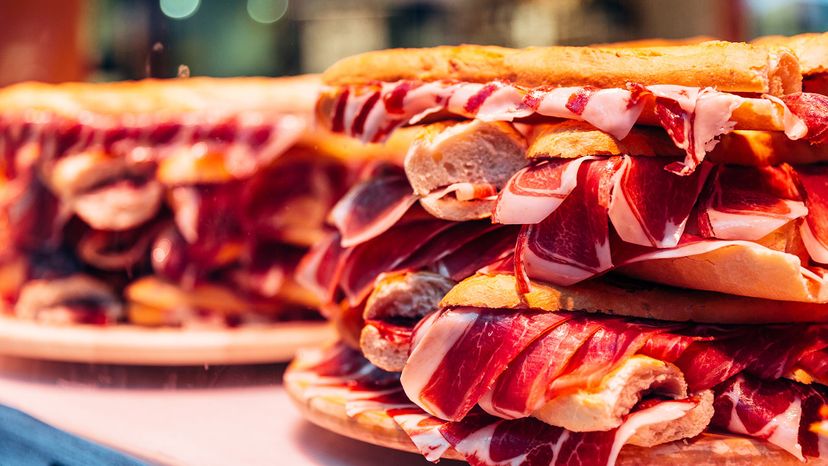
(182,202)
(586,248)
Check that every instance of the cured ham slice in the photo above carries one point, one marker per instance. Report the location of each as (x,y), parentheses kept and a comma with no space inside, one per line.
(464,191)
(372,207)
(814,231)
(423,429)
(815,365)
(597,356)
(320,269)
(484,440)
(461,354)
(536,191)
(513,362)
(694,117)
(474,256)
(480,438)
(781,412)
(522,388)
(769,353)
(572,243)
(368,260)
(812,110)
(447,243)
(634,212)
(748,203)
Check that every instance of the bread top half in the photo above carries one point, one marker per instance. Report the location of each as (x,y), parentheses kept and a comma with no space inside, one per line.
(727,66)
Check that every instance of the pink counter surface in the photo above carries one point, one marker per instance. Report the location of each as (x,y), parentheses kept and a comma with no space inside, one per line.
(183,416)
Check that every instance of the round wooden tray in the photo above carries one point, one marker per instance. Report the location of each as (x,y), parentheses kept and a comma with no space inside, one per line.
(380,429)
(128,344)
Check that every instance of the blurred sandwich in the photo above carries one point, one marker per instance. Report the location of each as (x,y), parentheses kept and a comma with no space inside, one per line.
(181,202)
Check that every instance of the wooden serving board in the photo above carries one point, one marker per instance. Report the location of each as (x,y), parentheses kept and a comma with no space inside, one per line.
(134,345)
(378,428)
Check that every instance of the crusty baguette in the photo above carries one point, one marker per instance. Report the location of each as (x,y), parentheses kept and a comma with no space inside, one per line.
(165,96)
(738,270)
(633,299)
(655,42)
(451,152)
(572,139)
(407,296)
(445,153)
(731,67)
(342,147)
(810,48)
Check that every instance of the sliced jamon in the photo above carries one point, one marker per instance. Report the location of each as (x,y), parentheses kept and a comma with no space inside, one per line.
(522,388)
(636,214)
(748,203)
(386,397)
(576,352)
(447,243)
(337,364)
(693,118)
(320,269)
(815,364)
(486,440)
(812,110)
(572,243)
(465,191)
(463,351)
(536,191)
(423,429)
(33,215)
(614,340)
(779,411)
(814,231)
(372,207)
(476,255)
(366,261)
(290,201)
(708,355)
(769,353)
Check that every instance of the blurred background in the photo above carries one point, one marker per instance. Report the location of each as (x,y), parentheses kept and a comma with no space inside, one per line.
(100,40)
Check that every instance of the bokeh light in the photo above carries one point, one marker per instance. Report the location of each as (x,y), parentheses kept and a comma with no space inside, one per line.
(179,9)
(267,11)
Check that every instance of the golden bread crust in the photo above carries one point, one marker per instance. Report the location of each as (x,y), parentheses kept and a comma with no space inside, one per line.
(730,67)
(572,139)
(655,42)
(166,96)
(610,296)
(810,48)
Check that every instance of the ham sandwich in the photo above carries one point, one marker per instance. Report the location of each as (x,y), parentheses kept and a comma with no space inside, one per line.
(584,248)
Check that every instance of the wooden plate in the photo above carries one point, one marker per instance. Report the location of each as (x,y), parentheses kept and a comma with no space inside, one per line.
(127,344)
(378,428)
